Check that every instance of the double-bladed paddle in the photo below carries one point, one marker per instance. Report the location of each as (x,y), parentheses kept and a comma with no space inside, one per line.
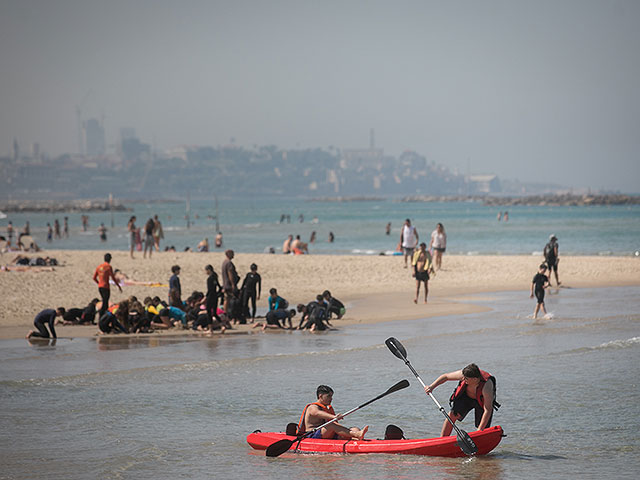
(278,448)
(464,441)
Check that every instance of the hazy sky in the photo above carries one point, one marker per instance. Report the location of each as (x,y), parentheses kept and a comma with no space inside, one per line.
(544,91)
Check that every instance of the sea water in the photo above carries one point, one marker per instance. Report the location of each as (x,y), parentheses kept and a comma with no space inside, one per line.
(253,225)
(155,408)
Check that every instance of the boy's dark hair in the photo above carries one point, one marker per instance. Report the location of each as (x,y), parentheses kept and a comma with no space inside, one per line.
(209,268)
(292,312)
(253,267)
(300,307)
(543,265)
(319,298)
(175,269)
(273,291)
(95,300)
(326,293)
(471,371)
(323,390)
(107,257)
(61,310)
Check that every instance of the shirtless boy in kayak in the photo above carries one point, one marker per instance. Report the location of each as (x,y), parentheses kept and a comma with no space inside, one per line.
(476,391)
(320,412)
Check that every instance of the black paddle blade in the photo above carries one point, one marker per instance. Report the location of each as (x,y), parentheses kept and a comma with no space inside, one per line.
(398,386)
(466,444)
(278,448)
(396,348)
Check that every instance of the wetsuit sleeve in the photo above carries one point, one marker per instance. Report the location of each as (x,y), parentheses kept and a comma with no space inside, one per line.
(259,284)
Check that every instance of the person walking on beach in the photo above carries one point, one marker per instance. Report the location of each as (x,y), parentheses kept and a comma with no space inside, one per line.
(320,412)
(408,240)
(230,279)
(46,317)
(476,390)
(49,233)
(101,276)
(131,229)
(438,244)
(158,233)
(551,257)
(149,241)
(422,266)
(538,284)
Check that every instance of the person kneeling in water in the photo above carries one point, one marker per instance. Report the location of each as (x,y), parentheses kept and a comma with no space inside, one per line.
(320,412)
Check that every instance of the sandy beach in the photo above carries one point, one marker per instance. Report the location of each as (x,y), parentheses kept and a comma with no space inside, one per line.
(374,288)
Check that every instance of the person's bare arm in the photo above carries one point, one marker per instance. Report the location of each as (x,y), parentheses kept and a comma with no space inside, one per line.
(445,377)
(487,393)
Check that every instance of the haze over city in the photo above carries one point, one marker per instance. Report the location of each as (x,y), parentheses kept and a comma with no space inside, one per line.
(538,91)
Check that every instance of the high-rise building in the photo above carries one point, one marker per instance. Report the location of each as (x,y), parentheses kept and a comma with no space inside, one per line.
(93,137)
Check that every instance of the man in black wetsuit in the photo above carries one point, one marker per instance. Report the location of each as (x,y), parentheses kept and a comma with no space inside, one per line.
(251,289)
(46,317)
(213,292)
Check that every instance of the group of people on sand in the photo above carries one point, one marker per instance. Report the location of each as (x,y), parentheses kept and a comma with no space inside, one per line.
(315,315)
(476,390)
(149,239)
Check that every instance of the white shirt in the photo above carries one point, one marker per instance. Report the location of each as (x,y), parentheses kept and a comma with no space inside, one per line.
(438,240)
(409,239)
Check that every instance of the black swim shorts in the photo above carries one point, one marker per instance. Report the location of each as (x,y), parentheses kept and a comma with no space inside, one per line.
(464,404)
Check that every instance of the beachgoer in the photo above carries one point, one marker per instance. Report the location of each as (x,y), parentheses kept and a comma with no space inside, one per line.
(10,231)
(103,273)
(408,240)
(312,238)
(213,292)
(56,228)
(251,289)
(273,318)
(335,306)
(275,301)
(230,278)
(49,233)
(149,241)
(174,286)
(102,231)
(422,266)
(27,228)
(314,315)
(499,216)
(203,246)
(538,284)
(158,233)
(320,412)
(506,216)
(331,237)
(286,246)
(108,323)
(65,227)
(387,229)
(218,240)
(438,244)
(551,257)
(46,317)
(131,228)
(85,222)
(476,390)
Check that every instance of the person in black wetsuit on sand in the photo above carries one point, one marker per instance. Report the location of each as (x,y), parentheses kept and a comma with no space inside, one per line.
(538,284)
(251,289)
(46,317)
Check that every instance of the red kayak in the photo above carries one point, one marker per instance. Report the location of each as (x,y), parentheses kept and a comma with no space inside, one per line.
(486,440)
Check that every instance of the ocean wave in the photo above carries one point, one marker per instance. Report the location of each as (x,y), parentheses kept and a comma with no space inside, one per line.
(612,345)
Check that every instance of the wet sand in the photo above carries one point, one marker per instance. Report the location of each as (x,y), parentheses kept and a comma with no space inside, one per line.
(373,288)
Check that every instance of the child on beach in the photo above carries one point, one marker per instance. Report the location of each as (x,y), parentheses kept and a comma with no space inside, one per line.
(539,283)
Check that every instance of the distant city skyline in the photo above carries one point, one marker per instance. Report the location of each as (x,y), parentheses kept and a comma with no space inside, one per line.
(537,91)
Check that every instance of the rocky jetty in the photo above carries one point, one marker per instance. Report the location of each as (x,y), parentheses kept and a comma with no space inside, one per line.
(540,200)
(77,206)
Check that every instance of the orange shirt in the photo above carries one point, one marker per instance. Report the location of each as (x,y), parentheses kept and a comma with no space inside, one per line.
(103,272)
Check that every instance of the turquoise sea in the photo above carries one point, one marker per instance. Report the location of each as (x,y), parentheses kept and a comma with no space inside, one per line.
(253,225)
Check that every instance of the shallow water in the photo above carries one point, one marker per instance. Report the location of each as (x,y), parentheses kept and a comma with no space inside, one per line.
(181,408)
